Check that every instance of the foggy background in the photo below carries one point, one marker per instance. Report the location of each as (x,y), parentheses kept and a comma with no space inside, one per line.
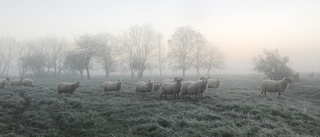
(240,29)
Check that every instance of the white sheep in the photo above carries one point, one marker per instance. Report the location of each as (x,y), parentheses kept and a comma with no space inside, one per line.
(69,88)
(145,86)
(4,83)
(171,88)
(194,87)
(27,82)
(112,86)
(275,86)
(16,82)
(212,83)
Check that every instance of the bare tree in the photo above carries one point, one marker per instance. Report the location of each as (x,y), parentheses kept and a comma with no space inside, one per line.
(138,47)
(181,46)
(198,53)
(214,58)
(56,52)
(22,52)
(36,63)
(75,61)
(108,54)
(90,45)
(7,46)
(161,54)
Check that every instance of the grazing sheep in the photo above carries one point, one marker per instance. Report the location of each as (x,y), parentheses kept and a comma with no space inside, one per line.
(68,87)
(145,86)
(112,86)
(171,88)
(275,86)
(156,86)
(195,87)
(27,82)
(4,83)
(214,83)
(16,82)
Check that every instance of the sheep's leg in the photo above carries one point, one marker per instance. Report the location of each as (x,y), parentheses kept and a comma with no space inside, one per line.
(165,95)
(178,96)
(161,95)
(279,94)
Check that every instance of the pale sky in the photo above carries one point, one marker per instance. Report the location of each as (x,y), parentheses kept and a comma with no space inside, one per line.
(240,28)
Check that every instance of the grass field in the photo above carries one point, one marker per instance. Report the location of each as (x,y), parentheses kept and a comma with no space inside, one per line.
(237,108)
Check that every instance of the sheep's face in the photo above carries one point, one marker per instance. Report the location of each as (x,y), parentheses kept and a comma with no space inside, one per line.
(204,80)
(150,83)
(120,82)
(286,80)
(178,79)
(77,84)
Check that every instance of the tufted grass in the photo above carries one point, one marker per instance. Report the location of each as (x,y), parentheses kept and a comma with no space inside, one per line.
(237,108)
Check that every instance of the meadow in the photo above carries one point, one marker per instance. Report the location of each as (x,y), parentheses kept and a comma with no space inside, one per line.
(236,108)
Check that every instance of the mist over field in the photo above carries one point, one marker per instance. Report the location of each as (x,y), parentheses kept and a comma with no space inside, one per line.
(160,68)
(240,29)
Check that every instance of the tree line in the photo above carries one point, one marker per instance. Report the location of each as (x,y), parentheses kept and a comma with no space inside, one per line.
(136,50)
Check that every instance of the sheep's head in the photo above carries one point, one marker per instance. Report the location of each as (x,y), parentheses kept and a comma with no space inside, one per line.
(76,85)
(286,80)
(178,79)
(204,80)
(120,81)
(150,83)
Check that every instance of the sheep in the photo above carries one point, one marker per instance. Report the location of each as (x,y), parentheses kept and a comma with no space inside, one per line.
(171,88)
(112,86)
(69,88)
(4,83)
(194,87)
(275,86)
(145,86)
(27,82)
(214,83)
(156,86)
(16,82)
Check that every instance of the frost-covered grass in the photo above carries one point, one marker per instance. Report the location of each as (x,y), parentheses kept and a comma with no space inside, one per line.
(237,108)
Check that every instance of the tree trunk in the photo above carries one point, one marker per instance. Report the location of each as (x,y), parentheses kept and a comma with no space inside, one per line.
(183,73)
(107,74)
(208,73)
(197,72)
(88,72)
(140,74)
(81,74)
(132,73)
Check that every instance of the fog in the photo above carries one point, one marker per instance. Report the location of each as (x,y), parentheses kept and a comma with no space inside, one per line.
(240,29)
